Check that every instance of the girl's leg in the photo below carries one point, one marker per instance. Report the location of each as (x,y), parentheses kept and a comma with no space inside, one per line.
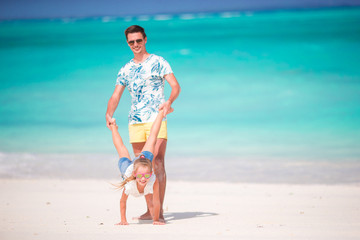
(123,164)
(137,147)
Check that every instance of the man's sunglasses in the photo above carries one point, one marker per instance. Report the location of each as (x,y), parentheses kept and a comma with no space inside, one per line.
(132,42)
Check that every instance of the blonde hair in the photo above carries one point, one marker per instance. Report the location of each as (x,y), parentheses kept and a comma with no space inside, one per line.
(143,162)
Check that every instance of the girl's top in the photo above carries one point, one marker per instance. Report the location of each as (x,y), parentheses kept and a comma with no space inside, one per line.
(131,188)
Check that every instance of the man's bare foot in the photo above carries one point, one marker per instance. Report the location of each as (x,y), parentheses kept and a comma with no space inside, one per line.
(145,216)
(158,223)
(161,218)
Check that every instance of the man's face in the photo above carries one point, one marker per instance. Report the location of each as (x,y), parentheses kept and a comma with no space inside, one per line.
(136,42)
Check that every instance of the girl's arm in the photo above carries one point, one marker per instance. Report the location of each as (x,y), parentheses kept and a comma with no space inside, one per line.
(155,128)
(149,203)
(123,200)
(156,204)
(117,140)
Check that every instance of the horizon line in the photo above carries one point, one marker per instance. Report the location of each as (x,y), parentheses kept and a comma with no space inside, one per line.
(178,14)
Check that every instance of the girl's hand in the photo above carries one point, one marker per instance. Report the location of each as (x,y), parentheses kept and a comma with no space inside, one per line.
(158,223)
(109,120)
(113,125)
(122,223)
(166,108)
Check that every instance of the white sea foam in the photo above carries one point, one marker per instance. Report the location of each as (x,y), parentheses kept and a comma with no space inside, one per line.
(162,17)
(248,169)
(143,18)
(108,19)
(204,15)
(26,165)
(230,14)
(68,20)
(128,19)
(187,16)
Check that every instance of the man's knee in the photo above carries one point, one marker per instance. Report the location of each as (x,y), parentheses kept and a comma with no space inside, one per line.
(137,147)
(159,165)
(159,161)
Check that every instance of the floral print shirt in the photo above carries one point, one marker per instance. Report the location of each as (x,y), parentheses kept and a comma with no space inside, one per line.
(145,82)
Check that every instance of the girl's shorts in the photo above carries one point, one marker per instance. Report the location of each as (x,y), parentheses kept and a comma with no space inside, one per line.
(125,162)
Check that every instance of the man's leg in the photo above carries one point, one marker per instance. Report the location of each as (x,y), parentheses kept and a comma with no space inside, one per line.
(137,147)
(160,149)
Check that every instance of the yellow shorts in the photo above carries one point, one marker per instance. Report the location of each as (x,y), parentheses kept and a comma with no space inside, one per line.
(141,131)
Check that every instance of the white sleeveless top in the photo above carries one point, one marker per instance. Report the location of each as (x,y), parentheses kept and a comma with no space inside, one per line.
(131,189)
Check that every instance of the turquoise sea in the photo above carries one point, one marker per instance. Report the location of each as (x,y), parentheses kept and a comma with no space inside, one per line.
(266,96)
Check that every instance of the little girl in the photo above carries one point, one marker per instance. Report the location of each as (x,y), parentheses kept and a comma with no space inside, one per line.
(138,177)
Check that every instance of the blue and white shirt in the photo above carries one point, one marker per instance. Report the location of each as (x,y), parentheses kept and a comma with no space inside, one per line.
(145,82)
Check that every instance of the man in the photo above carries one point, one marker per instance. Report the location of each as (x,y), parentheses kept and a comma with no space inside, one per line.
(145,76)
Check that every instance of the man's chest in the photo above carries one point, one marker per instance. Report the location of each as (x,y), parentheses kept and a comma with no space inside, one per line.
(143,77)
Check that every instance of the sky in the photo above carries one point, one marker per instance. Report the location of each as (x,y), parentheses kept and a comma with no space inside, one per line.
(39,9)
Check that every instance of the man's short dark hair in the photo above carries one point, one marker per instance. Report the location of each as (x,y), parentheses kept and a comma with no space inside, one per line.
(135,29)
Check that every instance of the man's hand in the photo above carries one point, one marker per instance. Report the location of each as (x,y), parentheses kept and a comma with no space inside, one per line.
(109,120)
(166,107)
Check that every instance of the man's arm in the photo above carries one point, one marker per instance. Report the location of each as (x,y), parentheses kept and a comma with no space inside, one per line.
(118,142)
(113,103)
(175,91)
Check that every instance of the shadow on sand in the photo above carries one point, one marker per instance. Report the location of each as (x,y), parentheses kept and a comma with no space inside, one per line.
(173,216)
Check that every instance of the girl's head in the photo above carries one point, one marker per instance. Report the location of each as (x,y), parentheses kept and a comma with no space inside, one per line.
(141,173)
(142,170)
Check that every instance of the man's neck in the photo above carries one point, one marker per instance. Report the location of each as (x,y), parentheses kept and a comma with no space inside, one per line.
(139,58)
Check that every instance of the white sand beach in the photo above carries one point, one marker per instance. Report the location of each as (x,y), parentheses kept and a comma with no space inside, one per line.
(88,209)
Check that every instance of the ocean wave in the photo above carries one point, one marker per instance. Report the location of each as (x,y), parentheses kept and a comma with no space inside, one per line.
(230,14)
(108,19)
(69,20)
(187,16)
(162,17)
(128,19)
(143,18)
